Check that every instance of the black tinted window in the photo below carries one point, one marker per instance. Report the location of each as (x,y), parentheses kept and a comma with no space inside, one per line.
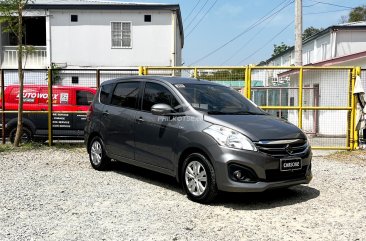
(126,94)
(84,98)
(105,91)
(157,94)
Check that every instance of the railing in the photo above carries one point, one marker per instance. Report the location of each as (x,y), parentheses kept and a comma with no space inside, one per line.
(319,100)
(36,58)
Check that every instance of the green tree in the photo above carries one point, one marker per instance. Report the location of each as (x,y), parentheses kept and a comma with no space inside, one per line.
(11,12)
(279,49)
(357,14)
(310,31)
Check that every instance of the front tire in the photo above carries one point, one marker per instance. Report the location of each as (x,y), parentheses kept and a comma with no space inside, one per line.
(97,155)
(199,179)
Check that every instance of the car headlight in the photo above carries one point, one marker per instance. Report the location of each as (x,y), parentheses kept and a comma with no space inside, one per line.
(230,138)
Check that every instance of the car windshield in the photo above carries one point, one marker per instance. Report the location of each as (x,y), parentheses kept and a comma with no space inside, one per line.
(217,100)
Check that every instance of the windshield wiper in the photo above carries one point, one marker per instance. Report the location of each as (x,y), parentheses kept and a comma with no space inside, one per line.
(245,113)
(215,112)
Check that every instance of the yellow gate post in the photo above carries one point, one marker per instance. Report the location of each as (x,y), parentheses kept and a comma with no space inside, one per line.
(357,71)
(195,73)
(301,75)
(50,140)
(248,82)
(141,70)
(353,110)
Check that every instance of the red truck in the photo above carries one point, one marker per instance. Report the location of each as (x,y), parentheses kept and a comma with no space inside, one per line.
(72,99)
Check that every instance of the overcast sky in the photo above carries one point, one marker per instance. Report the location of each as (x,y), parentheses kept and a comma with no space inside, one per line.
(241,32)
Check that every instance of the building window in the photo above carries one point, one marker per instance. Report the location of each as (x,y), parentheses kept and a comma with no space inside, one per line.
(147,18)
(121,34)
(75,80)
(324,51)
(74,18)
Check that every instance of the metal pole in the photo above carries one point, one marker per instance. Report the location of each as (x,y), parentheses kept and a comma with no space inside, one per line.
(141,70)
(301,71)
(298,32)
(248,82)
(195,74)
(50,140)
(3,106)
(98,78)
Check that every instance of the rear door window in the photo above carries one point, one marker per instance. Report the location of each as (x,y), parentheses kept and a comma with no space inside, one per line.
(126,94)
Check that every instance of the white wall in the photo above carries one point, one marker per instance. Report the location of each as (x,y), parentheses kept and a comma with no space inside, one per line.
(350,42)
(178,52)
(87,43)
(325,39)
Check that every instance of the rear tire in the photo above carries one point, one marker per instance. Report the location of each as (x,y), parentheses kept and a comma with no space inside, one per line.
(27,135)
(97,155)
(199,179)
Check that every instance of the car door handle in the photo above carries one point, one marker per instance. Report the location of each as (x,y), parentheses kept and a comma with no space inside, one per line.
(140,120)
(106,113)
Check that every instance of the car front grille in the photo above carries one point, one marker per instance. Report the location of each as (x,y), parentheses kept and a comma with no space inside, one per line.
(283,148)
(276,175)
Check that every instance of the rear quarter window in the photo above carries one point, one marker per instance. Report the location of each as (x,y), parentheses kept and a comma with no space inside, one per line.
(105,92)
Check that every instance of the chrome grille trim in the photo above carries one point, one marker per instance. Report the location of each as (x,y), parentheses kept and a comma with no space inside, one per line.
(277,148)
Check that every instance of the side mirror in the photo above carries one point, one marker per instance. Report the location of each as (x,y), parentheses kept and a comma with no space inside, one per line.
(161,109)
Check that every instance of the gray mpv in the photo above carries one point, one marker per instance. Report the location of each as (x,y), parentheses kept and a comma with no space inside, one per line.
(208,136)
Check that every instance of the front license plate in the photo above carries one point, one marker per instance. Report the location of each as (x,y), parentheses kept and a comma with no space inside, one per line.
(290,164)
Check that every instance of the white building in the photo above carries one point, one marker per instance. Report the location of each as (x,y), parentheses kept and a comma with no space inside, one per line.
(339,45)
(96,34)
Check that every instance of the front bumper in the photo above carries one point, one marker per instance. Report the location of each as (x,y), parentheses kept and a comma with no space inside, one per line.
(265,167)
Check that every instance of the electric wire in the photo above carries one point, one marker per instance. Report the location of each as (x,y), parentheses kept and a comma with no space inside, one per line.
(190,13)
(250,40)
(332,4)
(268,42)
(194,18)
(314,13)
(259,21)
(201,19)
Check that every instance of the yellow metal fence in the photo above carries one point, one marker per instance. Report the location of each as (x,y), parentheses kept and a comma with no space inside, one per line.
(319,100)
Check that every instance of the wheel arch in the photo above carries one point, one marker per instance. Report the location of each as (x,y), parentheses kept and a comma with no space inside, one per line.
(186,153)
(26,123)
(90,138)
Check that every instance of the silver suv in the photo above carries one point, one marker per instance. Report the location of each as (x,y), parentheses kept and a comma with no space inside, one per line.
(208,136)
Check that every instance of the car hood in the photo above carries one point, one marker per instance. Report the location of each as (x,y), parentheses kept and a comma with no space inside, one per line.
(258,127)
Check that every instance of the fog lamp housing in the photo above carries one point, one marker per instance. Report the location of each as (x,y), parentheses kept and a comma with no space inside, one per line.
(239,173)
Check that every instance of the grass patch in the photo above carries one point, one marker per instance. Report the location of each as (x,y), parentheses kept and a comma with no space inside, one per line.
(23,147)
(357,156)
(68,145)
(37,145)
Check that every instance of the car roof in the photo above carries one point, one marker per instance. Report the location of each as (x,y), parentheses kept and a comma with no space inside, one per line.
(169,79)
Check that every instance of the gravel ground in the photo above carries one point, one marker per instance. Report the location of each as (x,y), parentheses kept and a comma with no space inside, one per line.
(54,194)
